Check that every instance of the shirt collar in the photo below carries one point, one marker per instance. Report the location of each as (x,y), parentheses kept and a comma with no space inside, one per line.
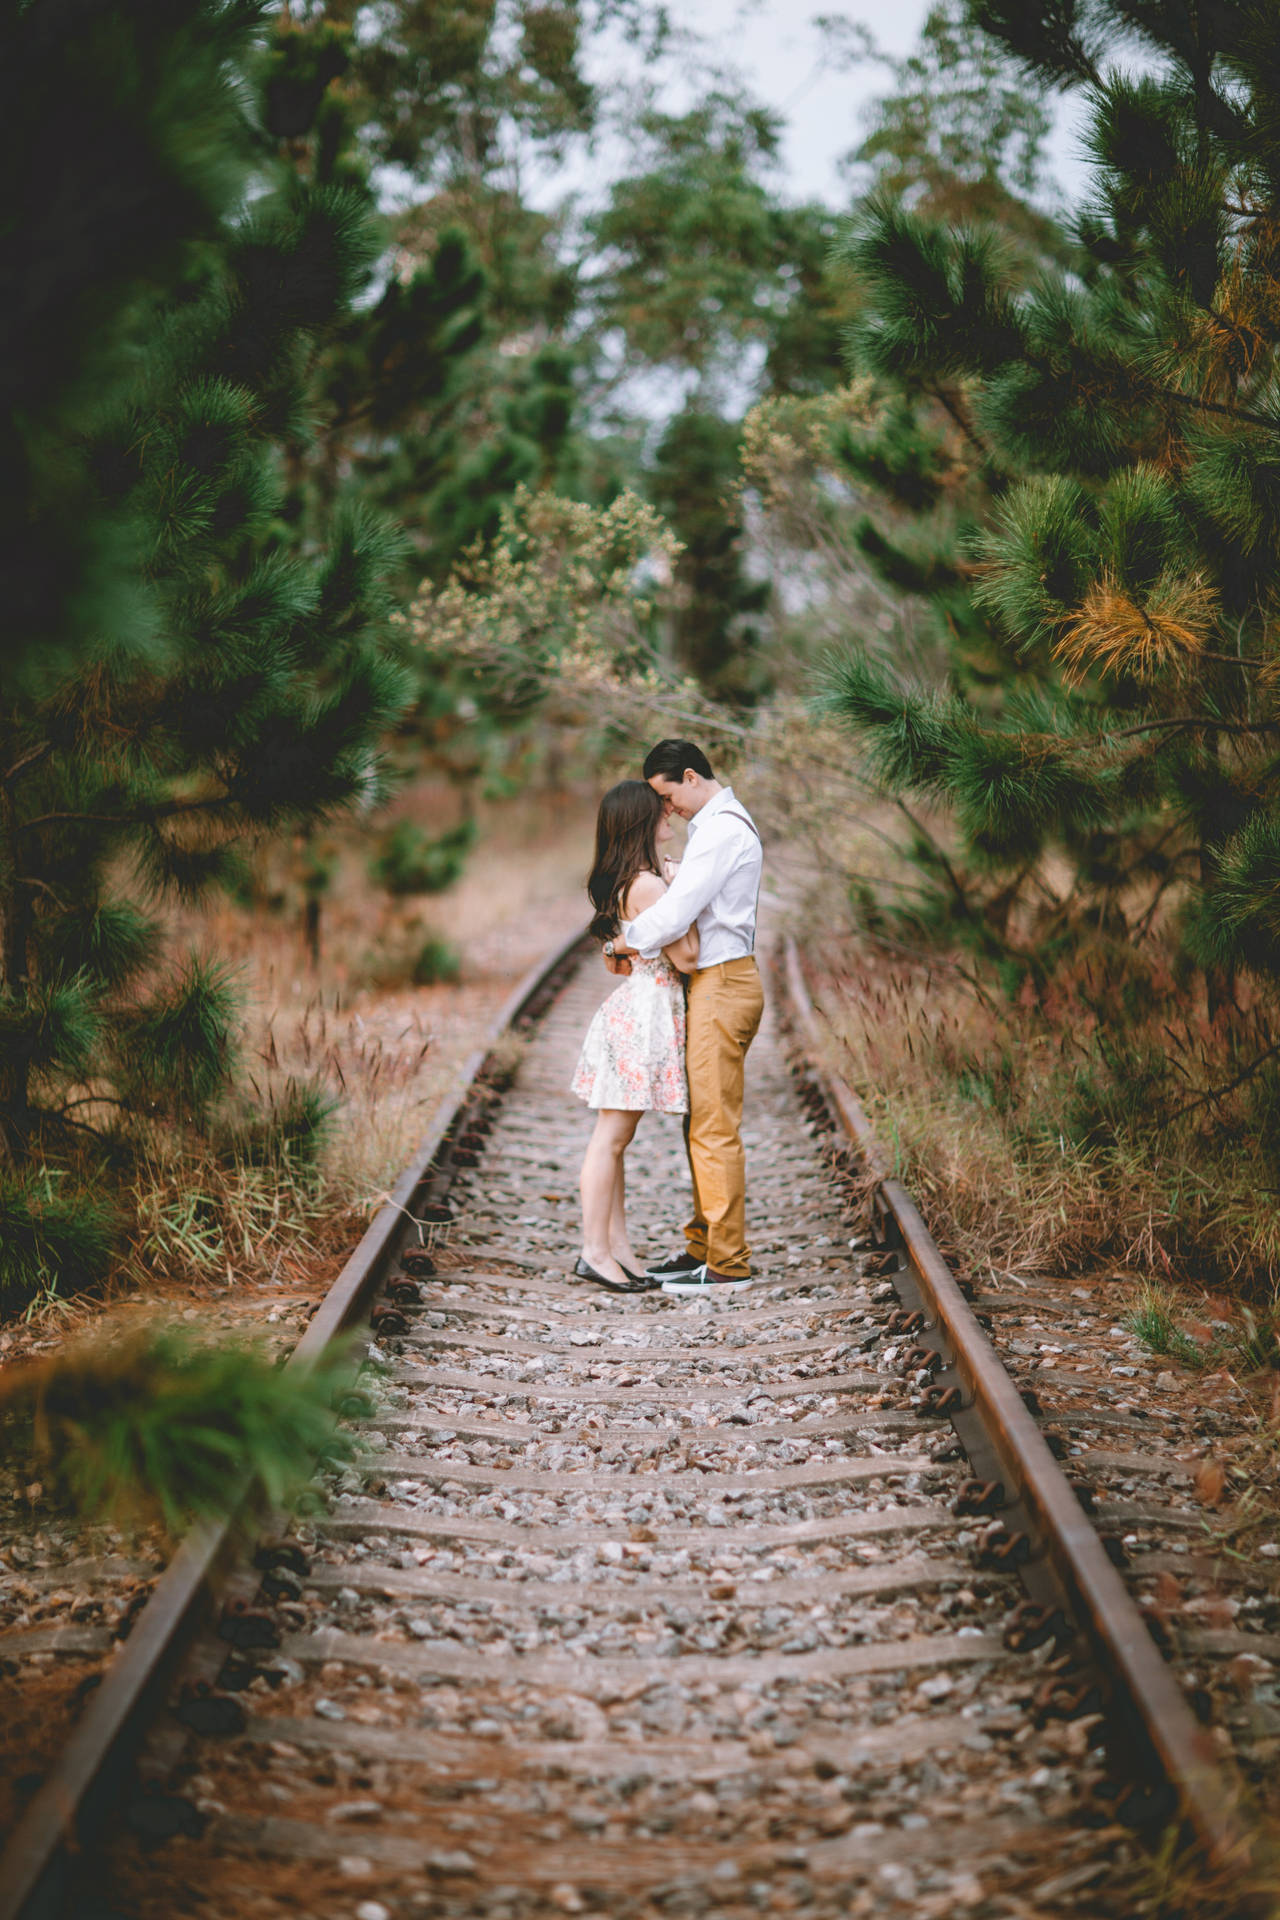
(716,802)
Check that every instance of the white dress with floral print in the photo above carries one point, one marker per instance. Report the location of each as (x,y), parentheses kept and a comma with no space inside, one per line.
(633,1056)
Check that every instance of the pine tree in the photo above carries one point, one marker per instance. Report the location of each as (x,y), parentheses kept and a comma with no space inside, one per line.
(718,606)
(961,134)
(1080,469)
(184,673)
(458,386)
(705,274)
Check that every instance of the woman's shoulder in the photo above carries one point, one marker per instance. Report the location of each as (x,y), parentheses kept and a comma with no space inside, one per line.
(643,891)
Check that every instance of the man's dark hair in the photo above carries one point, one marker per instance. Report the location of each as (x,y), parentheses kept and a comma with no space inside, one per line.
(670,758)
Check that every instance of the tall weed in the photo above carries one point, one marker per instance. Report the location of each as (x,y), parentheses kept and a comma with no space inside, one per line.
(1055,1139)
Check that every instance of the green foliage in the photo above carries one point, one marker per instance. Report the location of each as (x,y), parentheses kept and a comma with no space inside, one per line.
(1152,1322)
(150,1423)
(180,1042)
(56,1237)
(125,145)
(1040,553)
(437,87)
(911,733)
(937,303)
(961,135)
(904,458)
(286,1134)
(437,964)
(410,861)
(566,583)
(1077,473)
(188,664)
(1239,919)
(717,619)
(1114,1096)
(53,1024)
(692,239)
(108,940)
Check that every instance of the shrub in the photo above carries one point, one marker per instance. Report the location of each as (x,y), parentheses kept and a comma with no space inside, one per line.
(150,1424)
(437,964)
(288,1132)
(410,861)
(55,1237)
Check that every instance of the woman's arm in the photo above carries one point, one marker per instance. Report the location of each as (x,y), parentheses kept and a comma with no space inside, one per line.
(645,889)
(683,953)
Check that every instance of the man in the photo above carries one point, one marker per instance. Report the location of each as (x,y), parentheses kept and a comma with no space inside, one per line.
(716,887)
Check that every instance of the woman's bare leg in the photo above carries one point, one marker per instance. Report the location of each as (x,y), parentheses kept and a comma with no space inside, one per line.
(601,1166)
(619,1239)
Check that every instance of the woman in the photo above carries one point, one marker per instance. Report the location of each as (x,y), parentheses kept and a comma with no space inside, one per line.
(633,1056)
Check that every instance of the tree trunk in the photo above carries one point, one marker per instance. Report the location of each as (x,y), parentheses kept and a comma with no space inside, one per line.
(311,929)
(15,935)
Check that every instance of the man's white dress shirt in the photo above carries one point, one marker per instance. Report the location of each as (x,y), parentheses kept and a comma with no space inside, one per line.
(717,886)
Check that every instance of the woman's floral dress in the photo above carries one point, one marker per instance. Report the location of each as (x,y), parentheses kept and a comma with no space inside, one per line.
(633,1056)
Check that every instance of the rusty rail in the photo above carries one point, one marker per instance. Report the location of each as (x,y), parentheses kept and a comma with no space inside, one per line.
(1103,1609)
(38,1865)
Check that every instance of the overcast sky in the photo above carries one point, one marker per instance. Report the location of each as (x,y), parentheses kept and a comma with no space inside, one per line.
(779,52)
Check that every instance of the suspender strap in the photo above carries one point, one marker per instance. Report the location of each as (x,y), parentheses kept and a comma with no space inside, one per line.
(735,815)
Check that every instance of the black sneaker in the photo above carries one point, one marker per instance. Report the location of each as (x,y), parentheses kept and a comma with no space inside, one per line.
(678,1267)
(706,1283)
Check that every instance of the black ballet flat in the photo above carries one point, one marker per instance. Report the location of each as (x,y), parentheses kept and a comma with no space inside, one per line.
(644,1282)
(583,1272)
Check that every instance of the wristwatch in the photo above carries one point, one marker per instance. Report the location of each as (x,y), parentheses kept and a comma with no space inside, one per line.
(608,947)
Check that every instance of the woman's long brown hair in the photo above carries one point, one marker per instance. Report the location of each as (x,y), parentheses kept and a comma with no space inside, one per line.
(626,845)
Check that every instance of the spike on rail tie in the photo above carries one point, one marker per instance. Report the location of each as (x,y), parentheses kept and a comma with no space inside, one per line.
(1033,1624)
(978,1496)
(943,1400)
(1001,1547)
(922,1360)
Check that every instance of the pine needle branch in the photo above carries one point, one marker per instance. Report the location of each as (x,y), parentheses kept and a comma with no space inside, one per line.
(1214,1094)
(1193,723)
(148,1423)
(946,866)
(137,817)
(26,762)
(949,401)
(1199,404)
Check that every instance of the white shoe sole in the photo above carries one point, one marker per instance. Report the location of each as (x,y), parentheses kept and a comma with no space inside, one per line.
(704,1289)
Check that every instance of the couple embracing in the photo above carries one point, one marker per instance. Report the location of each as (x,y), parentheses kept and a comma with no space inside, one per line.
(673,1038)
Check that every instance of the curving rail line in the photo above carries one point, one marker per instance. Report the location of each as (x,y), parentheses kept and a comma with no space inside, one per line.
(639,1604)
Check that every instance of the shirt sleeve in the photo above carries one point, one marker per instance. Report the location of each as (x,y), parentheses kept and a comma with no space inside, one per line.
(709,859)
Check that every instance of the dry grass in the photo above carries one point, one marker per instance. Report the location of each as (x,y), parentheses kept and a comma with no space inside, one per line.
(260,1237)
(1033,1153)
(1030,1131)
(384,1050)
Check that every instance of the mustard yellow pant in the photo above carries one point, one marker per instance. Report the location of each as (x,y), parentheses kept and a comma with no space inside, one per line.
(725,1005)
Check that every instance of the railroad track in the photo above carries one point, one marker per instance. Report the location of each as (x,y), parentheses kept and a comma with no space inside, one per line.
(638,1606)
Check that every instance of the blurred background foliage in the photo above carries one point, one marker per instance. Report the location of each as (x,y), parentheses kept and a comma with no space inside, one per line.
(406,398)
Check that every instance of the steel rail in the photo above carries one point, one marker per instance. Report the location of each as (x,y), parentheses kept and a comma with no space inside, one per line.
(37,1869)
(1183,1749)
